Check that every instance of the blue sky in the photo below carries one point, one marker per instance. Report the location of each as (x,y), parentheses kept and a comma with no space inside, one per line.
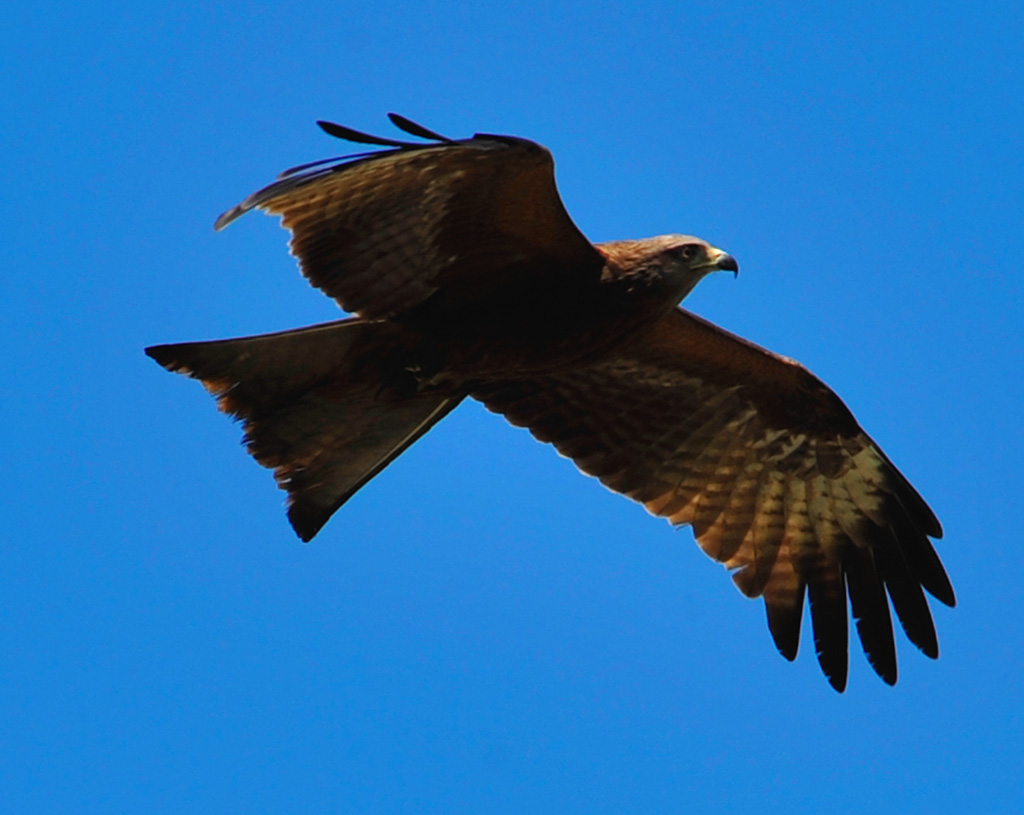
(483,629)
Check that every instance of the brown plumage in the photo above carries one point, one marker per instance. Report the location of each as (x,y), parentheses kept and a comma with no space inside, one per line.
(468,278)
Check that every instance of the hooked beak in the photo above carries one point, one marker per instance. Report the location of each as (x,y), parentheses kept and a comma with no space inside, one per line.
(725,262)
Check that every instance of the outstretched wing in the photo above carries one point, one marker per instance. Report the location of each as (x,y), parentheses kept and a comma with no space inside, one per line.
(767,465)
(382,232)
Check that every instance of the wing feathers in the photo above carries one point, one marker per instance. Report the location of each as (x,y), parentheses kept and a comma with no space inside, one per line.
(826,583)
(827,597)
(871,612)
(382,232)
(784,605)
(756,556)
(724,537)
(348,134)
(722,485)
(784,591)
(770,469)
(905,591)
(414,129)
(921,555)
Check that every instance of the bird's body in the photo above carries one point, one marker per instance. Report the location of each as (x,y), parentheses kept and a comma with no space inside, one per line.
(537,323)
(468,278)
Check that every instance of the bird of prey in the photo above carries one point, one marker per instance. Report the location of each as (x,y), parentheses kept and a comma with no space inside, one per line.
(467,277)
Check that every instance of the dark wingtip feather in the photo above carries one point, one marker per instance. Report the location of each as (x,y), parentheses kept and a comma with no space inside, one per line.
(414,129)
(309,165)
(357,136)
(837,681)
(827,598)
(920,555)
(784,623)
(898,484)
(227,217)
(871,610)
(904,587)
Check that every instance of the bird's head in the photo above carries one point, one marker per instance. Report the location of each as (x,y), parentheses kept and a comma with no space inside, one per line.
(685,259)
(670,264)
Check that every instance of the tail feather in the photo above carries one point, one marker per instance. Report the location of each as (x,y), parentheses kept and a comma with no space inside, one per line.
(249,375)
(370,442)
(313,407)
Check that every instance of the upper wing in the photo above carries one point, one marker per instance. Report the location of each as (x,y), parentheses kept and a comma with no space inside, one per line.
(382,232)
(767,465)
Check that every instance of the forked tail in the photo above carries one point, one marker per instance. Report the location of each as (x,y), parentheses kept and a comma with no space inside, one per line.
(315,407)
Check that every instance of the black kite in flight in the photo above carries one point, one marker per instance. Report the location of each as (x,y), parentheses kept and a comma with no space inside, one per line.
(468,278)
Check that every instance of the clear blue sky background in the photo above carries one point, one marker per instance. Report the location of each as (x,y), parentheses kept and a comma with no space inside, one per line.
(483,629)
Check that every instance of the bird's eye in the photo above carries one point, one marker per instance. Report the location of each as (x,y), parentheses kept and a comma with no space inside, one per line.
(688,252)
